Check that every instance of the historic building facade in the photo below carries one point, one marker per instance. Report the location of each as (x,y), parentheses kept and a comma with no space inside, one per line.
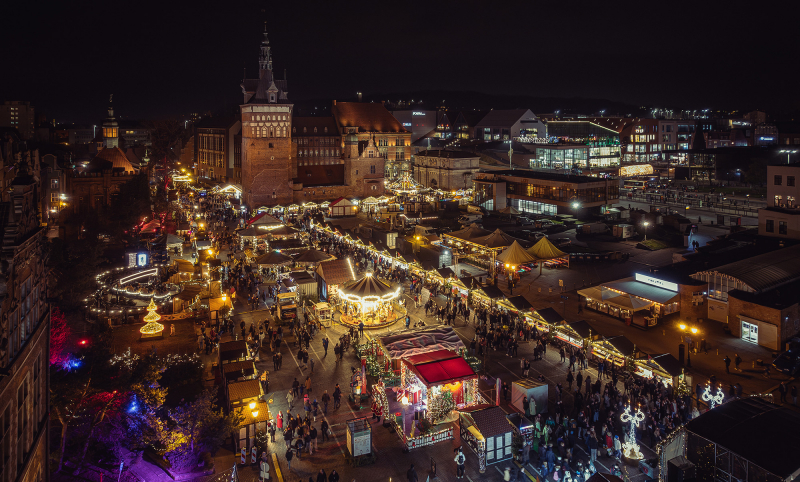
(447,170)
(24,335)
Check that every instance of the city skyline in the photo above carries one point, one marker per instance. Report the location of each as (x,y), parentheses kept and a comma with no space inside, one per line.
(166,61)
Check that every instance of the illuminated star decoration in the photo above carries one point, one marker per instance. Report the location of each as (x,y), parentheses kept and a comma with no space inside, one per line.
(630,447)
(713,400)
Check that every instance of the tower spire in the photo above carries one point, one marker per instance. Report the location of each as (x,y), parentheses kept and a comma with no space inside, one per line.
(265,59)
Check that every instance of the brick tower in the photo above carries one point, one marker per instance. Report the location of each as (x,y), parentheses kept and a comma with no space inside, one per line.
(267,150)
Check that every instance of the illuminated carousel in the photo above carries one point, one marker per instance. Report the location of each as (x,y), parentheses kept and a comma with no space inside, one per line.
(372,301)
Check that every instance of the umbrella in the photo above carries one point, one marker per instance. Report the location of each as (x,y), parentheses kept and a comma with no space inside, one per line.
(515,255)
(273,259)
(312,256)
(509,210)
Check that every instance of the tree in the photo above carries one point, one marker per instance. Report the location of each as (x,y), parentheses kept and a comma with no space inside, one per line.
(202,424)
(67,390)
(59,334)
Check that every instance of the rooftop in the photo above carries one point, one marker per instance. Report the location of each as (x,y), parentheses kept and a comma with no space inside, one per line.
(540,175)
(504,117)
(767,270)
(368,117)
(304,126)
(447,154)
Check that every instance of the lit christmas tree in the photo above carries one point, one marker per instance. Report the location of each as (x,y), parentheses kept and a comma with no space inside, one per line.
(152,326)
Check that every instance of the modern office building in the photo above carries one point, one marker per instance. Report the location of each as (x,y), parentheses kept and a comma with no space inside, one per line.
(544,192)
(214,145)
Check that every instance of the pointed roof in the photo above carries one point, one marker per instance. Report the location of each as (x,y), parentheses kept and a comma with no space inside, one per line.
(312,256)
(369,287)
(544,249)
(283,231)
(264,219)
(337,271)
(498,239)
(515,254)
(469,233)
(509,210)
(273,259)
(111,158)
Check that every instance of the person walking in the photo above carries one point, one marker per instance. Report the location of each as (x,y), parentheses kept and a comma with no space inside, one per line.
(289,456)
(325,343)
(782,390)
(324,428)
(460,460)
(736,361)
(360,329)
(411,475)
(727,364)
(333,476)
(321,476)
(570,378)
(290,399)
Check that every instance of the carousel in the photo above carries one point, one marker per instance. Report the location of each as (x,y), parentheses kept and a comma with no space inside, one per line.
(371,301)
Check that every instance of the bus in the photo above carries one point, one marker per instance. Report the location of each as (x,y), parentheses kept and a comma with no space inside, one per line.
(635,184)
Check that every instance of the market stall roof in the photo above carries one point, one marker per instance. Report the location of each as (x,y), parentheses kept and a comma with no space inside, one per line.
(312,256)
(239,369)
(264,219)
(184,266)
(341,202)
(518,420)
(544,249)
(550,315)
(515,255)
(302,277)
(756,430)
(497,239)
(273,258)
(489,419)
(582,328)
(232,350)
(520,303)
(422,341)
(189,292)
(287,244)
(251,231)
(169,240)
(469,233)
(622,344)
(337,271)
(369,286)
(446,273)
(666,362)
(244,390)
(441,366)
(492,292)
(598,293)
(764,271)
(646,291)
(631,302)
(283,231)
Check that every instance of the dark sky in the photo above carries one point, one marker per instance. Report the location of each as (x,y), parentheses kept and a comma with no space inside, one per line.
(173,56)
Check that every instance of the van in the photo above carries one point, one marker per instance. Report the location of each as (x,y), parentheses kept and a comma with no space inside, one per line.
(424,231)
(474,210)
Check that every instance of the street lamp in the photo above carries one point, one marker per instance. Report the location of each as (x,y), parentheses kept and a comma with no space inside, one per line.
(646,223)
(404,402)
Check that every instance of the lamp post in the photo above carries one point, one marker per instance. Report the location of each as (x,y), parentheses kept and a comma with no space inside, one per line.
(646,223)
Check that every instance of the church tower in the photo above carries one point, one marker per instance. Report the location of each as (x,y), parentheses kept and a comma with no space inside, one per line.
(110,126)
(268,155)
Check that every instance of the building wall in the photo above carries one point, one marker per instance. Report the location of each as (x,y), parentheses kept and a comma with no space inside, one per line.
(783,186)
(786,320)
(20,115)
(694,304)
(448,174)
(268,154)
(93,190)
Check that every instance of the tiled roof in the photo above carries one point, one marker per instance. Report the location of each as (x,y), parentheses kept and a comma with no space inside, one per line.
(110,158)
(491,421)
(368,117)
(336,272)
(238,391)
(247,367)
(309,123)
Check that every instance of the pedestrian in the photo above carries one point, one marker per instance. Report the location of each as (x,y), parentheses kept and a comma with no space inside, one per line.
(460,460)
(325,429)
(727,364)
(782,390)
(570,378)
(172,329)
(325,400)
(290,399)
(289,456)
(325,345)
(411,475)
(272,432)
(737,360)
(333,476)
(279,419)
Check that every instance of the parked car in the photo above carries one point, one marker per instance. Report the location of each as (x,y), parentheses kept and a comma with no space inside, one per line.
(788,362)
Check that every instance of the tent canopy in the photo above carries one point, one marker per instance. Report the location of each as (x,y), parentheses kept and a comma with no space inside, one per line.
(497,239)
(422,341)
(273,259)
(509,210)
(469,233)
(368,286)
(544,249)
(515,255)
(312,256)
(598,293)
(630,302)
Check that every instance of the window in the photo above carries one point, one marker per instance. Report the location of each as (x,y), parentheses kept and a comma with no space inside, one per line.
(270,145)
(5,442)
(356,172)
(783,228)
(790,181)
(770,227)
(372,169)
(54,183)
(778,180)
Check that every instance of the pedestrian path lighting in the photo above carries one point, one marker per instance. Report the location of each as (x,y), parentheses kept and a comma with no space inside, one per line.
(646,223)
(630,448)
(713,400)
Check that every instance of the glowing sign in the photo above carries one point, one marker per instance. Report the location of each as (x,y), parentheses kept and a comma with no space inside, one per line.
(417,113)
(636,170)
(667,285)
(406,124)
(536,140)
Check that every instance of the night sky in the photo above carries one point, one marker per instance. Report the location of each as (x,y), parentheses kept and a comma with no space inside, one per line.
(174,57)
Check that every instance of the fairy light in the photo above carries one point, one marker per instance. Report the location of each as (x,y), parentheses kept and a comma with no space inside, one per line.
(152,326)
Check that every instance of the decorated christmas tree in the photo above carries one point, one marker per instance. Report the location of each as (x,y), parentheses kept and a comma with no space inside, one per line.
(440,405)
(152,326)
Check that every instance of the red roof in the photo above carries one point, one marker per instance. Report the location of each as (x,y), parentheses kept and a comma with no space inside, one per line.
(440,367)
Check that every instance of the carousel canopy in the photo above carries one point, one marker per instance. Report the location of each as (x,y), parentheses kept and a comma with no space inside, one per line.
(544,249)
(422,341)
(498,239)
(509,210)
(469,233)
(515,255)
(273,259)
(369,288)
(312,256)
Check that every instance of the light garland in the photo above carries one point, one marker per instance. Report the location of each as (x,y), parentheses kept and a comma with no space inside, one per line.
(152,327)
(713,399)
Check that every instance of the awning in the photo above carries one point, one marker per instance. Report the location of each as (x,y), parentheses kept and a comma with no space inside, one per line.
(598,293)
(439,367)
(630,302)
(646,291)
(550,315)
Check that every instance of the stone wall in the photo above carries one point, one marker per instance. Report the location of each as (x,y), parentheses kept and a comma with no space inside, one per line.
(267,170)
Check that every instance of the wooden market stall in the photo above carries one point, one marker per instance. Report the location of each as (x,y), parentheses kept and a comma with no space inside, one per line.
(617,349)
(332,275)
(532,390)
(577,333)
(664,367)
(486,430)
